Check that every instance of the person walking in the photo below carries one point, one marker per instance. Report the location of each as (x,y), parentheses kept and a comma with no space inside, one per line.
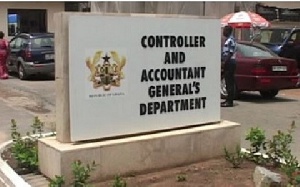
(229,65)
(3,56)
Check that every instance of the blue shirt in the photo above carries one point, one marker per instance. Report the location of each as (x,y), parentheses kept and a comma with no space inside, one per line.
(229,47)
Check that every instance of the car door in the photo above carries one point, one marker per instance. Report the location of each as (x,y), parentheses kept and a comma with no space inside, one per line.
(14,52)
(291,48)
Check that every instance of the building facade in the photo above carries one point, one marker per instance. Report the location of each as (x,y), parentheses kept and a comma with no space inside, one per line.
(26,16)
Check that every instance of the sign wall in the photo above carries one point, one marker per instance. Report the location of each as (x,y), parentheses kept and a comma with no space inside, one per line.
(137,74)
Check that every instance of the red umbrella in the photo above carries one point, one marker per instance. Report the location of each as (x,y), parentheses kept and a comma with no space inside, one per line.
(244,19)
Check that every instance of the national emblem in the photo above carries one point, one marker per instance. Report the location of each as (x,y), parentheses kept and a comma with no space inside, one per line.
(106,74)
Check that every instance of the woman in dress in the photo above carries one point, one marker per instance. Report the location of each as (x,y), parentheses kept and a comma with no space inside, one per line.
(3,56)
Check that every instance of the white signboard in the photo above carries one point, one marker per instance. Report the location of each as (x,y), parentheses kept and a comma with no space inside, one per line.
(137,74)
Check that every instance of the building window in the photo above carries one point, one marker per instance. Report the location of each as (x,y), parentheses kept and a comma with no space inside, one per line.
(26,21)
(80,6)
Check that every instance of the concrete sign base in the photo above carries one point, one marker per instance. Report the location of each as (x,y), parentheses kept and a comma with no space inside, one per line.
(139,154)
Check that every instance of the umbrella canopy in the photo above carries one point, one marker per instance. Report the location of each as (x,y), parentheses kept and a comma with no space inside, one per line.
(244,19)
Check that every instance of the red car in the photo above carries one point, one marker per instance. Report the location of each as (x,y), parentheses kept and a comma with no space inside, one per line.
(259,69)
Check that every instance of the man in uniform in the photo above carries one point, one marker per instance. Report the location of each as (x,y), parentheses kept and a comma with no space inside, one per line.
(229,64)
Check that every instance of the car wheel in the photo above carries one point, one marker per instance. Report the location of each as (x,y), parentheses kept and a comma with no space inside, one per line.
(224,93)
(270,94)
(21,72)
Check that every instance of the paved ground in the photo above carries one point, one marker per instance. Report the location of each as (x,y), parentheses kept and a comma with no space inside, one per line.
(22,101)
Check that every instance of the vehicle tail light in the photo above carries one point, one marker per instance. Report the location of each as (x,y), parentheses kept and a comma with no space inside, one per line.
(259,70)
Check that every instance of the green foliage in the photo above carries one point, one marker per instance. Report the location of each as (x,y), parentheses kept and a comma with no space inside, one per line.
(119,182)
(279,146)
(297,177)
(291,168)
(236,158)
(82,173)
(181,178)
(25,149)
(257,139)
(58,181)
(278,149)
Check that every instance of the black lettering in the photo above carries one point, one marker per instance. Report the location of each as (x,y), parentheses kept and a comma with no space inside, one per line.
(170,74)
(192,104)
(179,41)
(163,108)
(151,91)
(198,103)
(184,69)
(177,103)
(158,91)
(178,89)
(165,90)
(203,71)
(203,102)
(149,75)
(181,57)
(150,108)
(172,41)
(172,90)
(197,87)
(202,41)
(163,74)
(184,104)
(151,41)
(190,73)
(156,72)
(166,41)
(144,77)
(167,58)
(143,42)
(197,72)
(174,57)
(178,73)
(196,41)
(156,107)
(143,109)
(159,41)
(170,106)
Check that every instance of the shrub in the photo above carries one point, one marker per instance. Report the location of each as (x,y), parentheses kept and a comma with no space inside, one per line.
(236,158)
(119,182)
(279,146)
(24,149)
(257,139)
(82,173)
(58,181)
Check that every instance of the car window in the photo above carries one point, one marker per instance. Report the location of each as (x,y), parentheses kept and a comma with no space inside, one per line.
(19,42)
(16,43)
(274,36)
(296,37)
(42,42)
(249,50)
(12,44)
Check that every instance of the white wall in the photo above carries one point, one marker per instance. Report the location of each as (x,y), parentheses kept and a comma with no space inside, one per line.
(51,7)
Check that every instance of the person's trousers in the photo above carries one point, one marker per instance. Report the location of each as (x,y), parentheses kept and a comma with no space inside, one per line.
(229,72)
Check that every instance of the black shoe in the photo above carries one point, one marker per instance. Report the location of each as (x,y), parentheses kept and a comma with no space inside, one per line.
(226,104)
(223,102)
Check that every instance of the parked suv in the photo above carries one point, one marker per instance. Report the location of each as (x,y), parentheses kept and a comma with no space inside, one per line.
(285,42)
(31,54)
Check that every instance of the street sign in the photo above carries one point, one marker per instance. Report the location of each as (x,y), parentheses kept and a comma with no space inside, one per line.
(131,75)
